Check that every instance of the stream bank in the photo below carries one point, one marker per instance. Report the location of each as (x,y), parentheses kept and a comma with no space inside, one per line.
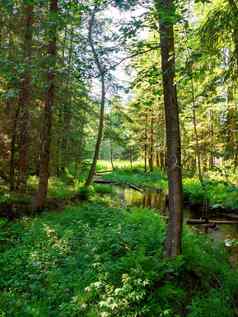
(221,228)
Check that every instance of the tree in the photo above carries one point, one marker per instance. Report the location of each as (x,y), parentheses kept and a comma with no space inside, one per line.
(166,13)
(48,108)
(25,98)
(101,71)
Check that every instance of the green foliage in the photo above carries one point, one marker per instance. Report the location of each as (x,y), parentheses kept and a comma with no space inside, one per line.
(10,198)
(138,177)
(103,189)
(212,305)
(84,193)
(219,194)
(93,260)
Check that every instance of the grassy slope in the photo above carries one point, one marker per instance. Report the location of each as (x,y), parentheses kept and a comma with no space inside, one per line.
(95,260)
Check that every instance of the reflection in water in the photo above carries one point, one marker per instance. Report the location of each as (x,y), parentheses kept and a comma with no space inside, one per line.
(157,200)
(131,197)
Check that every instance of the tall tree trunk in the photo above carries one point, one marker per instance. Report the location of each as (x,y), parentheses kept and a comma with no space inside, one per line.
(47,118)
(111,155)
(211,130)
(166,13)
(67,108)
(25,99)
(194,117)
(151,158)
(197,150)
(145,143)
(13,150)
(101,71)
(234,7)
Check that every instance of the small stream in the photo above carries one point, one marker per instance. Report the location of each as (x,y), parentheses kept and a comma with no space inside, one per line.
(157,200)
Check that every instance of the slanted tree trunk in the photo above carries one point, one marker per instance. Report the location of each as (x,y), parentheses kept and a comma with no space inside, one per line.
(48,110)
(101,71)
(166,11)
(25,99)
(194,117)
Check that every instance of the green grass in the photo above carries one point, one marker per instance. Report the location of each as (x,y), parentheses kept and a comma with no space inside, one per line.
(138,177)
(95,260)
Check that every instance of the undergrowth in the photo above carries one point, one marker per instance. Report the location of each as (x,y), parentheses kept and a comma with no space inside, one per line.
(95,260)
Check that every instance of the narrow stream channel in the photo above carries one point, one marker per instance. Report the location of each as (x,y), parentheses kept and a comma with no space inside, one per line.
(157,200)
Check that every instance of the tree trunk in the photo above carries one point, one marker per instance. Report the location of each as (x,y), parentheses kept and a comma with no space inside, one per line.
(102,102)
(111,155)
(234,8)
(196,135)
(67,109)
(166,12)
(194,119)
(47,118)
(145,143)
(25,100)
(151,158)
(13,150)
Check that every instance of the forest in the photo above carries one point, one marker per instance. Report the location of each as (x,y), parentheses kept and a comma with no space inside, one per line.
(119,158)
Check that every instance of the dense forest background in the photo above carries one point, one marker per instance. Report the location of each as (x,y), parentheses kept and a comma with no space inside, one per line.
(50,82)
(144,90)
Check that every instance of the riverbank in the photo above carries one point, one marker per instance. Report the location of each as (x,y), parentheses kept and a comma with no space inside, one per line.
(94,259)
(220,195)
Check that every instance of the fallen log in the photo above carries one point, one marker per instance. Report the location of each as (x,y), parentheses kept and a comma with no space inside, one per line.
(229,215)
(135,188)
(104,181)
(103,172)
(204,221)
(107,181)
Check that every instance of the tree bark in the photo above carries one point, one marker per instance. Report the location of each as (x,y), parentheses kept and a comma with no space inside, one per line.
(234,7)
(13,150)
(111,155)
(48,110)
(151,158)
(67,108)
(166,12)
(145,143)
(25,99)
(101,71)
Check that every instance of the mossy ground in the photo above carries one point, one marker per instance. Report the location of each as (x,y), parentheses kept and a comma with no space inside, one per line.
(95,260)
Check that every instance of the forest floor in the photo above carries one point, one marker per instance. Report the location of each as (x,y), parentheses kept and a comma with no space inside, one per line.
(96,259)
(93,258)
